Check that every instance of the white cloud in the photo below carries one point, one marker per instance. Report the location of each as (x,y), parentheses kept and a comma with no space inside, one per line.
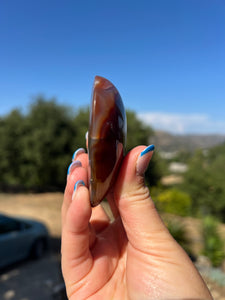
(183,123)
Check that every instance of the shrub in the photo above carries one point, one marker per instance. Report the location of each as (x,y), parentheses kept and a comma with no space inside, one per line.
(213,243)
(204,181)
(174,201)
(178,231)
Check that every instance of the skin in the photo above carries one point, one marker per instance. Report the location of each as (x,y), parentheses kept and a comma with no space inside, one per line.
(133,257)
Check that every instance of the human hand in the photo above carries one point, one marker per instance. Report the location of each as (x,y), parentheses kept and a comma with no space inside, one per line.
(133,257)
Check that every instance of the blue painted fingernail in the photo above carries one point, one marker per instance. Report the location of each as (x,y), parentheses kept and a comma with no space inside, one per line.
(148,149)
(143,160)
(73,165)
(78,151)
(78,183)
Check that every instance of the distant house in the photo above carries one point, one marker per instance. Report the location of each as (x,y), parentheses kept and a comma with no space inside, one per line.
(176,167)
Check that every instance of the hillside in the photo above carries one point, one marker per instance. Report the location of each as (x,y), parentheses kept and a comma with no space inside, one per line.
(169,142)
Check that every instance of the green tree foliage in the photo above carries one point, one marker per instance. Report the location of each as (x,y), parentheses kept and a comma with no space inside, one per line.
(12,130)
(137,132)
(205,183)
(48,143)
(178,230)
(213,244)
(37,147)
(174,201)
(182,156)
(81,122)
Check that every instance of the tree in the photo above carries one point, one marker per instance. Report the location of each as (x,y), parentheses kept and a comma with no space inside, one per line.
(48,144)
(11,148)
(174,201)
(213,243)
(81,123)
(204,181)
(36,148)
(137,132)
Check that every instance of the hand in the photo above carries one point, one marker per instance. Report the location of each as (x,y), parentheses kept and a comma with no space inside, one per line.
(133,257)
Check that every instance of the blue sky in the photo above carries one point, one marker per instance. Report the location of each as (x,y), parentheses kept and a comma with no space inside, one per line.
(167,58)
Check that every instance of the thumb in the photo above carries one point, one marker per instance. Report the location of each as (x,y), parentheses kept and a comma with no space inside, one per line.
(137,210)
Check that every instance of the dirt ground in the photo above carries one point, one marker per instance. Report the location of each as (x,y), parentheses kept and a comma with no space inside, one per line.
(42,207)
(34,280)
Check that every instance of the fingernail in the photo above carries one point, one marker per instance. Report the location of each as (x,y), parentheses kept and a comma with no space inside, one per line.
(77,184)
(73,165)
(147,150)
(78,151)
(86,135)
(144,159)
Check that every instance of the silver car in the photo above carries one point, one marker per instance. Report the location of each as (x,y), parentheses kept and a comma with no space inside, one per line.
(21,238)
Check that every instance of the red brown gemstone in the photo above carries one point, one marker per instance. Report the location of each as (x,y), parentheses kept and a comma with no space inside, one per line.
(106,138)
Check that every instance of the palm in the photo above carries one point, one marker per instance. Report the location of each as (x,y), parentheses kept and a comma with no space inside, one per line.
(107,275)
(115,266)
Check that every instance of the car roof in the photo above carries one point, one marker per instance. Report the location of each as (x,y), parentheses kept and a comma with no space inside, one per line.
(3,217)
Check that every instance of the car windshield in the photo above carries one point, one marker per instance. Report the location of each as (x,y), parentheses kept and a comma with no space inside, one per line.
(8,225)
